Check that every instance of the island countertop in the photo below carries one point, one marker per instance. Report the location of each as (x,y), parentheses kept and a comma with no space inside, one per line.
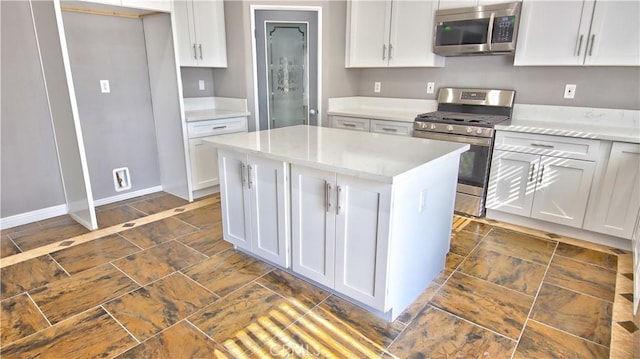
(379,157)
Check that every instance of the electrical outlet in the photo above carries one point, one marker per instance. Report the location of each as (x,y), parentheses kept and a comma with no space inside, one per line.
(201,85)
(431,87)
(569,91)
(376,87)
(104,86)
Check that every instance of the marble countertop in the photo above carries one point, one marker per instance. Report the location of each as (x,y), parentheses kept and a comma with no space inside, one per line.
(214,108)
(373,156)
(380,108)
(579,122)
(213,114)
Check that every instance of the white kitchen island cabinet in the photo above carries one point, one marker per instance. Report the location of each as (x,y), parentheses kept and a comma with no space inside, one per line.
(370,215)
(255,205)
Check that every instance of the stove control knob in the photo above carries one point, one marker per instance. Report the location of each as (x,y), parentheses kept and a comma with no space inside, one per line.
(479,131)
(449,128)
(433,126)
(469,129)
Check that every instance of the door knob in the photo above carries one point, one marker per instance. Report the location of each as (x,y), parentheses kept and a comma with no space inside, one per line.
(313,112)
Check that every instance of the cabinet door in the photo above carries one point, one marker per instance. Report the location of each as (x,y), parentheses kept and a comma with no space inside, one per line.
(562,190)
(211,42)
(185,37)
(368,24)
(204,164)
(553,32)
(615,34)
(411,39)
(362,240)
(452,4)
(234,198)
(268,183)
(619,197)
(512,182)
(313,223)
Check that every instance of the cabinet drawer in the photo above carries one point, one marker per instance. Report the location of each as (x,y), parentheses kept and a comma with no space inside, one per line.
(351,123)
(216,127)
(392,127)
(556,146)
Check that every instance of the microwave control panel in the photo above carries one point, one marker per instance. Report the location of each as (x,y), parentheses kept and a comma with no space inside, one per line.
(503,27)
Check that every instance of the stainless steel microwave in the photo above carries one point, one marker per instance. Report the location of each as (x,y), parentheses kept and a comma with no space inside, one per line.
(488,29)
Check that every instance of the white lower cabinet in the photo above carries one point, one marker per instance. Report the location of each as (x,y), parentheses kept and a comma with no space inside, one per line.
(550,188)
(204,164)
(255,205)
(400,128)
(340,233)
(617,202)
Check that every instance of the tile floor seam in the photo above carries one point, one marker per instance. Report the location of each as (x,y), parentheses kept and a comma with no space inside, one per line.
(58,264)
(201,331)
(496,284)
(474,323)
(570,334)
(200,285)
(588,263)
(533,304)
(129,241)
(39,310)
(135,209)
(187,223)
(121,325)
(128,276)
(14,243)
(585,294)
(516,257)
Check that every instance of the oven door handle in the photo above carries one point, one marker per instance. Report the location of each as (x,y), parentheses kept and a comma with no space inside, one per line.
(476,141)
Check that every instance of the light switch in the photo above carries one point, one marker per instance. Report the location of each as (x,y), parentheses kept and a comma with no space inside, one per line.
(104,86)
(201,85)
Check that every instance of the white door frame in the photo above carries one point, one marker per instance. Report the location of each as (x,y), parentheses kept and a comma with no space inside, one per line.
(254,56)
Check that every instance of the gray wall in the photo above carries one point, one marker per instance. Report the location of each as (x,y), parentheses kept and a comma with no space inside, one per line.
(607,87)
(190,81)
(29,171)
(118,127)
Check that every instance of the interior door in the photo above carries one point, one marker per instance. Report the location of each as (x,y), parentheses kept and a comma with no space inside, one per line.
(287,64)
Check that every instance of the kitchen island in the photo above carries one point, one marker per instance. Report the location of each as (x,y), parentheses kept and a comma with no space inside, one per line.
(367,216)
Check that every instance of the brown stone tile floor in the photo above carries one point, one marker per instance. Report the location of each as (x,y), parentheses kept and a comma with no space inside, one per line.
(174,289)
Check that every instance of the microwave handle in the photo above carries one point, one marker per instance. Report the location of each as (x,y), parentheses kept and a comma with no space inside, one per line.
(490,30)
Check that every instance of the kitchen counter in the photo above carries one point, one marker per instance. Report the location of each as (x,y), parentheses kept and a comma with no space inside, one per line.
(372,156)
(579,122)
(365,215)
(380,108)
(214,108)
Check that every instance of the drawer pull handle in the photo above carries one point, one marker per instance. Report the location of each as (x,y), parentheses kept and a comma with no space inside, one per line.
(631,152)
(390,129)
(219,127)
(542,145)
(533,169)
(349,125)
(327,196)
(541,175)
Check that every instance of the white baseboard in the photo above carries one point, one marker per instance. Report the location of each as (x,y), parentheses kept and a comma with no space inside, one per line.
(206,191)
(128,195)
(577,233)
(33,216)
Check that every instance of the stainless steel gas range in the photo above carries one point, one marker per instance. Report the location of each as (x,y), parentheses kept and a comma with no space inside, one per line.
(468,116)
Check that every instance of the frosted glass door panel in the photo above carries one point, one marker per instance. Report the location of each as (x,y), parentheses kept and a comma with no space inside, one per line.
(286,61)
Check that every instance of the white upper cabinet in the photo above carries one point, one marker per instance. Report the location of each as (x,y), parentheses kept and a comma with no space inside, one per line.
(579,33)
(200,31)
(391,33)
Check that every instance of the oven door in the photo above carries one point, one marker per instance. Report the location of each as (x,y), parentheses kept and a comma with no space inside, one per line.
(473,173)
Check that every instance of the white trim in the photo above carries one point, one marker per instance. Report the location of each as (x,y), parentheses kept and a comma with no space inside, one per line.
(128,195)
(577,233)
(76,115)
(254,58)
(33,216)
